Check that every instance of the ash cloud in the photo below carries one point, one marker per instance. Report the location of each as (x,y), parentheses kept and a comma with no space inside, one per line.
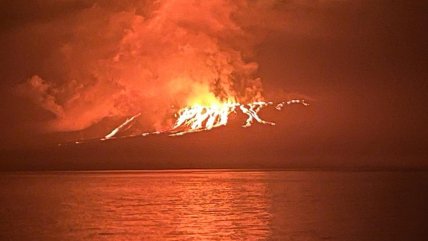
(119,59)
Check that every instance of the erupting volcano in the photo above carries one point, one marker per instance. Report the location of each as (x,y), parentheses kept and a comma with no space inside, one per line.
(159,66)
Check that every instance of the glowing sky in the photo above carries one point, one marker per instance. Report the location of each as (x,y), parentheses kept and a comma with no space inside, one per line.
(67,65)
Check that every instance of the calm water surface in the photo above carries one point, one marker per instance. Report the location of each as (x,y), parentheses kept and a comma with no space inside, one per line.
(214,205)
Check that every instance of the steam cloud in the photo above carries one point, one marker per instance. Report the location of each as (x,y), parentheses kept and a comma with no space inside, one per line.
(122,59)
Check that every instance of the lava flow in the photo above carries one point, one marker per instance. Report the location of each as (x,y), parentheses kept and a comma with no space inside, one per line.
(198,118)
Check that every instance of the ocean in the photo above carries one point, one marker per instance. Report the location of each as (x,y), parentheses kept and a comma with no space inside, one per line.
(214,205)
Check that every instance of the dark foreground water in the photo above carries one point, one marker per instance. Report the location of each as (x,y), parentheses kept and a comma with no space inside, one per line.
(214,205)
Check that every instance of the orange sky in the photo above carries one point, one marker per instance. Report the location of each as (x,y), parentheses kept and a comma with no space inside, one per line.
(361,64)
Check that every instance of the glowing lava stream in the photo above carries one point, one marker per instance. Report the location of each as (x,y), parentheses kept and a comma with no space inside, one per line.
(202,118)
(119,128)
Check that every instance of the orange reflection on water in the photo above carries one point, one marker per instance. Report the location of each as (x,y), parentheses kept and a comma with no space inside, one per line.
(169,206)
(222,205)
(211,205)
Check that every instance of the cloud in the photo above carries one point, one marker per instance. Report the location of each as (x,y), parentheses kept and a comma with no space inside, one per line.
(120,59)
(106,59)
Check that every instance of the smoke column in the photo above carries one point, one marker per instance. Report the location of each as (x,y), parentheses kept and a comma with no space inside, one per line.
(120,59)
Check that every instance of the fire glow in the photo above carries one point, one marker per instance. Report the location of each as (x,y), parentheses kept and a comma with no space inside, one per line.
(169,67)
(198,118)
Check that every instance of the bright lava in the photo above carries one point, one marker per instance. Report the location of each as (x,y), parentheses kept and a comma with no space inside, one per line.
(197,117)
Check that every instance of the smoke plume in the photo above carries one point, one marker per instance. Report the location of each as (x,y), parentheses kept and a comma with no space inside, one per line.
(151,58)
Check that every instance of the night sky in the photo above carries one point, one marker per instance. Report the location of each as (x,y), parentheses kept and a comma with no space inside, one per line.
(362,65)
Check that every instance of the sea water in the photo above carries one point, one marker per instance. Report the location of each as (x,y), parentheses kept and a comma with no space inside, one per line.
(214,205)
